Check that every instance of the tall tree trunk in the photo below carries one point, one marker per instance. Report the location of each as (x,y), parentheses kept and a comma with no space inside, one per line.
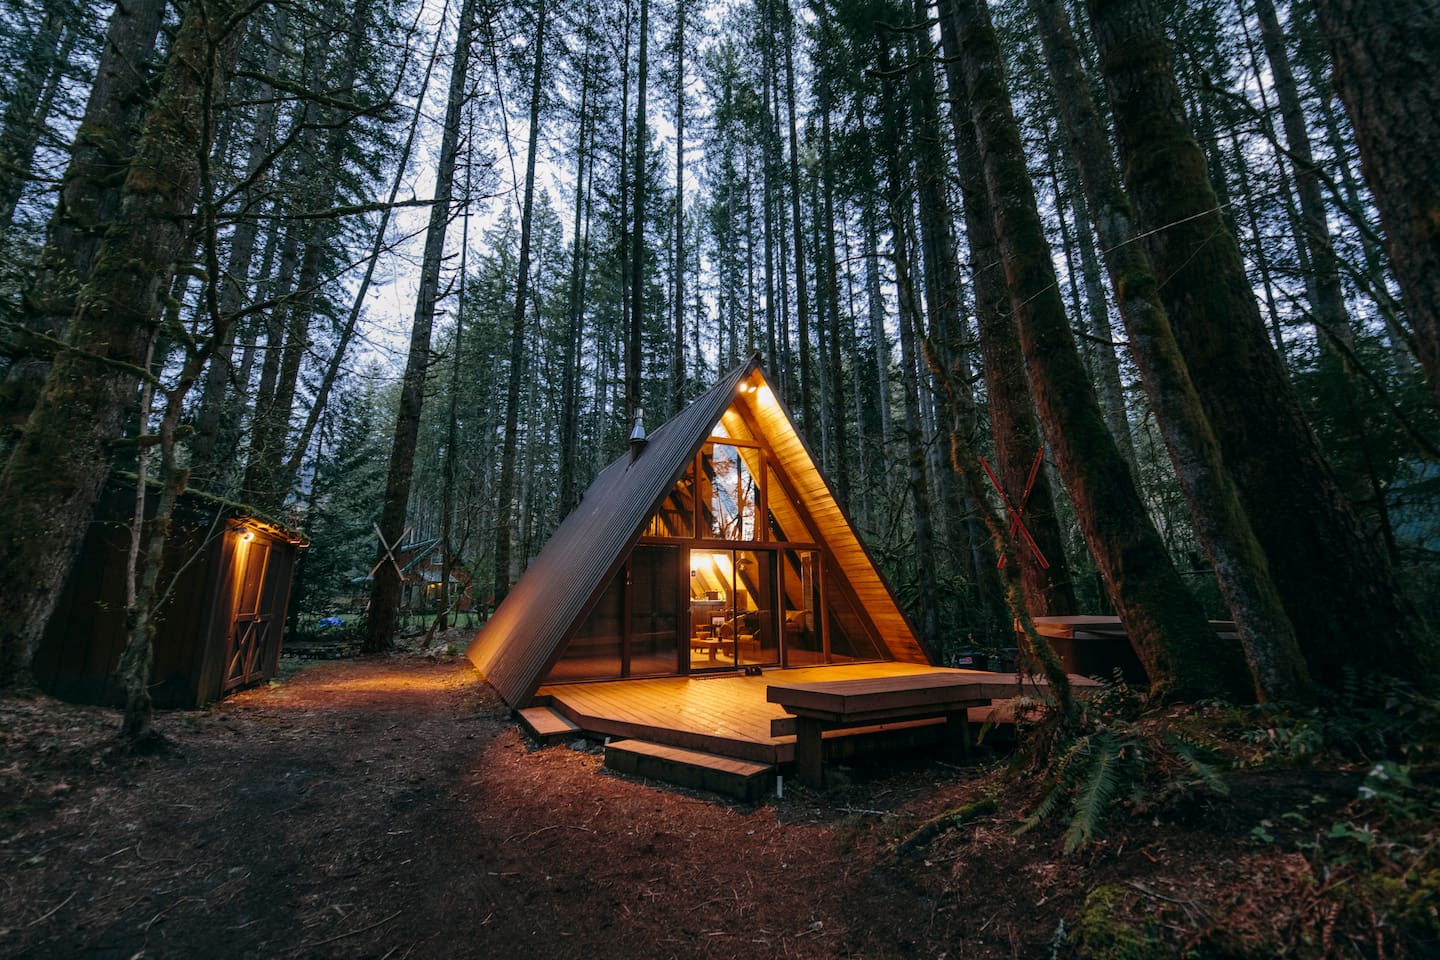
(263,405)
(53,476)
(1374,277)
(1046,592)
(944,349)
(1322,280)
(1166,625)
(1259,250)
(570,375)
(880,341)
(321,193)
(1335,581)
(634,337)
(1385,73)
(506,491)
(1272,650)
(289,325)
(835,370)
(89,198)
(452,417)
(386,587)
(926,582)
(677,369)
(1102,347)
(802,302)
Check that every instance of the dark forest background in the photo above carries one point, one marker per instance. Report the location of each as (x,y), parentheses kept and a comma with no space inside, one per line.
(417,266)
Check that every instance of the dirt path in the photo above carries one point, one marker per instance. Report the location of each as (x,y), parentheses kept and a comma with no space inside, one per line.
(389,808)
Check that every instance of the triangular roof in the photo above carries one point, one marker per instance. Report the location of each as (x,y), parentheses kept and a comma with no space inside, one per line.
(529,629)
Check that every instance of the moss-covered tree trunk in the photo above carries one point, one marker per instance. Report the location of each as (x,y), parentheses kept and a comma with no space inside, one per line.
(1165,623)
(50,482)
(1385,53)
(1047,591)
(89,198)
(386,586)
(1272,651)
(1334,579)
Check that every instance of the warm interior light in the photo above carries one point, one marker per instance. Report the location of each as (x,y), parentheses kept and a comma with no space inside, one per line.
(247,536)
(766,396)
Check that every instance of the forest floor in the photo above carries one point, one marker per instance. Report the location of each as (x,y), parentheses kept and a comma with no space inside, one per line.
(389,808)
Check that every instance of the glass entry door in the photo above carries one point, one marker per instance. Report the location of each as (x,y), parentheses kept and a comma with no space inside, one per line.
(732,609)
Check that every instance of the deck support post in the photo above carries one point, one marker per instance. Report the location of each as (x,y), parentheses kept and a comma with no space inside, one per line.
(809,752)
(957,733)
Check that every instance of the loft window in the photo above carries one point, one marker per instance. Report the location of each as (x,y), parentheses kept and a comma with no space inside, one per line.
(729,492)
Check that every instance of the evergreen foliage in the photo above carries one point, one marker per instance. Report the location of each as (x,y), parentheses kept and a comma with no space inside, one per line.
(850,253)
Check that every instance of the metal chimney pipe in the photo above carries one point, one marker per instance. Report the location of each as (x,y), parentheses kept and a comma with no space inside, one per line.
(637,435)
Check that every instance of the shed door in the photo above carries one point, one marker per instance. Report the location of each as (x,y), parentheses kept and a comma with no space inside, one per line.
(253,632)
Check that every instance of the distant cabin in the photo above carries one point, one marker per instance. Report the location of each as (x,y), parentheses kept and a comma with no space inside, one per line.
(713,545)
(218,630)
(420,563)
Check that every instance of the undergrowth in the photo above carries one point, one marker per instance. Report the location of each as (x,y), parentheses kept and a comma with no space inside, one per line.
(1117,754)
(1357,877)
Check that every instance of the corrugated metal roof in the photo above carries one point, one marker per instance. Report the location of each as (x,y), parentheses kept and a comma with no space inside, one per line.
(516,645)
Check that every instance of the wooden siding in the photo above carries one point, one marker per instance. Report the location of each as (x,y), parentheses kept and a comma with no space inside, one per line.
(831,526)
(86,635)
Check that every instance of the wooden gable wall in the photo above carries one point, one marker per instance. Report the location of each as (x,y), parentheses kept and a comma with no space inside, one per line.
(832,527)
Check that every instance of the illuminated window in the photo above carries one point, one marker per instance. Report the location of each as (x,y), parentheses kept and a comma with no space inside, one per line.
(729,493)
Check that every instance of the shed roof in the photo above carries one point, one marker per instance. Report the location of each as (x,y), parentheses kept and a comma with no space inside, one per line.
(528,630)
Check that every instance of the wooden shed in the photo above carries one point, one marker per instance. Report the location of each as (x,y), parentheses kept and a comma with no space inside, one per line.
(219,629)
(713,545)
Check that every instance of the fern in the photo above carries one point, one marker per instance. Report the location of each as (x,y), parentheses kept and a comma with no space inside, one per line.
(1197,760)
(1104,773)
(1121,762)
(1089,775)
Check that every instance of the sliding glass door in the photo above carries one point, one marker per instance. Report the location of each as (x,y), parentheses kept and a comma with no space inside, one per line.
(732,609)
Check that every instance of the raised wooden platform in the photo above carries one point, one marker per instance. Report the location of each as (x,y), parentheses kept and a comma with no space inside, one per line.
(739,779)
(729,714)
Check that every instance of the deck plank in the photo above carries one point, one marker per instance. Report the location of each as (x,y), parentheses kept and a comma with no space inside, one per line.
(725,714)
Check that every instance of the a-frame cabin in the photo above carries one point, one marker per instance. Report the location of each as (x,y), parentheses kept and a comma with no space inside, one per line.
(713,545)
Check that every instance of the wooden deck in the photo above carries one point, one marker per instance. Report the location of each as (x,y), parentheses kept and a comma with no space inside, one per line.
(727,715)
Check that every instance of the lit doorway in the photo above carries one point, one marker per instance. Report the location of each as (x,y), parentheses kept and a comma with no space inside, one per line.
(732,609)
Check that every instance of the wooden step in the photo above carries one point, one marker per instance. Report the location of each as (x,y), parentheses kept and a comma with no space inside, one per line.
(546,725)
(738,779)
